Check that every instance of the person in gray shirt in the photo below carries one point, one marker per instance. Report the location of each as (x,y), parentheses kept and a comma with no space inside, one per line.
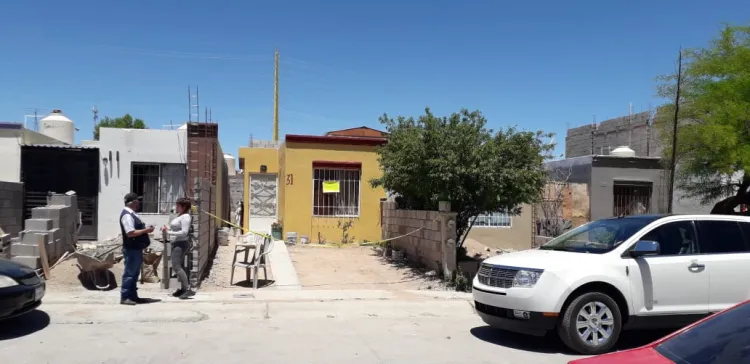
(178,234)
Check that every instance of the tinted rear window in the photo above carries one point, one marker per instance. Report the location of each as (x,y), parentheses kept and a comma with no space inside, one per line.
(720,237)
(725,339)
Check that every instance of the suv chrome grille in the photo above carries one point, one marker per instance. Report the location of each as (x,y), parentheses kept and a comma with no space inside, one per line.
(496,276)
(30,280)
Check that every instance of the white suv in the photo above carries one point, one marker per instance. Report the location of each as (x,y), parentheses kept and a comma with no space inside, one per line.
(619,273)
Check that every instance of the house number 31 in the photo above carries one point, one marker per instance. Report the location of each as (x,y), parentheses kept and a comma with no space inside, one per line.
(289,179)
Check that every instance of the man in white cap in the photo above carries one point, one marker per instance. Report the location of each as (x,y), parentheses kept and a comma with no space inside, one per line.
(134,240)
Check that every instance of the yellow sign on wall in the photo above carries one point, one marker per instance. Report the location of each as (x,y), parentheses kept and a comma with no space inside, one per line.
(331,187)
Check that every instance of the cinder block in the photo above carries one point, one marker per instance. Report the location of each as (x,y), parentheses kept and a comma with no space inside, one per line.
(26,250)
(48,212)
(30,261)
(38,224)
(63,200)
(35,237)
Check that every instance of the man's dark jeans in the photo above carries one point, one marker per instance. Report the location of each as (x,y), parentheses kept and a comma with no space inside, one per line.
(133,262)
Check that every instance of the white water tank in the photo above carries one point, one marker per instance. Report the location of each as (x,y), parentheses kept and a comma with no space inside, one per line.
(231,164)
(58,126)
(623,151)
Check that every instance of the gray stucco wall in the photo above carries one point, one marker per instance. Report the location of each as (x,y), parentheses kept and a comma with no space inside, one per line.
(603,179)
(634,131)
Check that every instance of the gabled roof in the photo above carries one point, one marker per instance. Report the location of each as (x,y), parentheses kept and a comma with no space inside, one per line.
(335,139)
(361,131)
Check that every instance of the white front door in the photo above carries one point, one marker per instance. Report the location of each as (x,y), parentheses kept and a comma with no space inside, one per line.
(263,202)
(673,282)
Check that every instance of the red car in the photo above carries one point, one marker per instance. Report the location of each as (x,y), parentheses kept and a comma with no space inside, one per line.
(722,338)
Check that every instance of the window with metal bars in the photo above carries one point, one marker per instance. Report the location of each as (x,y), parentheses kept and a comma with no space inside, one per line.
(345,202)
(159,184)
(495,219)
(631,198)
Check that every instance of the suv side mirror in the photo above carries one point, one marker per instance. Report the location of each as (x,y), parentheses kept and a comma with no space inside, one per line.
(644,248)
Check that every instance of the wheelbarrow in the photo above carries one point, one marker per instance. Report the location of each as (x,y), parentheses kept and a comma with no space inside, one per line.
(91,267)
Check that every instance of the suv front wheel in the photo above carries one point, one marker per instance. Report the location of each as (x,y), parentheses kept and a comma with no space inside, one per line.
(591,324)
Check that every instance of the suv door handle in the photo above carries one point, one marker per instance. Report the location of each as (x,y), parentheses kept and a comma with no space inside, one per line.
(696,265)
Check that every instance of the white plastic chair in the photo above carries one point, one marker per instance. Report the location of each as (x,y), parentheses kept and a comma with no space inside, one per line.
(260,246)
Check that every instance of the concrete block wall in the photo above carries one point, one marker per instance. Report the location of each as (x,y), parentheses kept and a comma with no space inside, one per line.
(11,207)
(433,245)
(54,226)
(265,144)
(236,193)
(633,131)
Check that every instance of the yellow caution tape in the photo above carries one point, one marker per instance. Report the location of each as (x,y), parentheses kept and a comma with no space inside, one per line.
(237,226)
(369,243)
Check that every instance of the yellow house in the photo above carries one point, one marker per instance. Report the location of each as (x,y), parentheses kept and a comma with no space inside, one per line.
(317,186)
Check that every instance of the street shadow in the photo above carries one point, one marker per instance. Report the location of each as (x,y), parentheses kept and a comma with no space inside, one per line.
(147,300)
(101,277)
(23,325)
(546,344)
(262,283)
(552,344)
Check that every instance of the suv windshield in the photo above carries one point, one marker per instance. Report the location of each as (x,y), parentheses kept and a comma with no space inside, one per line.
(720,340)
(599,236)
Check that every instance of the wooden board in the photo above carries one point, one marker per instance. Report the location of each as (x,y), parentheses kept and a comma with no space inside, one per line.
(43,257)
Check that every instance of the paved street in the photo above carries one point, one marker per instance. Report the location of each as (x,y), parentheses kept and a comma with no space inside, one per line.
(364,327)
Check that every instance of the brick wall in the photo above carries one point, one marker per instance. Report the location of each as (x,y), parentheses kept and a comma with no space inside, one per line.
(431,238)
(11,207)
(204,231)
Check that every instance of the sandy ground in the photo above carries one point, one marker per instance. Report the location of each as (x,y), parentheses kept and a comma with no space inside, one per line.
(354,267)
(221,270)
(67,277)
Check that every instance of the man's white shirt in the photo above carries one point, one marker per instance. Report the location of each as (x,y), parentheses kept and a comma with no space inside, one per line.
(128,224)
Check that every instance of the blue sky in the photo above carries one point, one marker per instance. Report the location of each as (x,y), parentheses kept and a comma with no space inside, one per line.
(534,64)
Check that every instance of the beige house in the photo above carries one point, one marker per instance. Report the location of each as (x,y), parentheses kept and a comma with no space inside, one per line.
(503,231)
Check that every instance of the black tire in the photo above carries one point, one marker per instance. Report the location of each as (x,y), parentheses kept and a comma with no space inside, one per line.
(568,332)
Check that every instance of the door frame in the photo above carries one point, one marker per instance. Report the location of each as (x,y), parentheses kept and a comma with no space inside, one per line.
(250,195)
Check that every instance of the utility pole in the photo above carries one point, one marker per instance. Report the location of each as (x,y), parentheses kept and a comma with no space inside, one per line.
(276,98)
(673,161)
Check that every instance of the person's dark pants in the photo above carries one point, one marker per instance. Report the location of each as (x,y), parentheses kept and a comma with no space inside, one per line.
(179,249)
(133,262)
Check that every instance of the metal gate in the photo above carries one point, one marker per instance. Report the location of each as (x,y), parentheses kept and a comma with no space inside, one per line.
(62,168)
(631,198)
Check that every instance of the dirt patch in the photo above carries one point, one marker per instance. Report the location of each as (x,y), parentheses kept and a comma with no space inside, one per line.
(222,269)
(67,277)
(355,268)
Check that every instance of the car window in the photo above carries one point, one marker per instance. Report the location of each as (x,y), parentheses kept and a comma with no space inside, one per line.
(716,237)
(722,339)
(674,238)
(599,236)
(746,230)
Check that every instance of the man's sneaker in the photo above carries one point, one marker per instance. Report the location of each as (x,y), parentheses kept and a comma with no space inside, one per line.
(128,302)
(187,294)
(178,292)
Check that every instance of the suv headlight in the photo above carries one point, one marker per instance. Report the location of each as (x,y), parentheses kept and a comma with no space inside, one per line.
(527,278)
(6,281)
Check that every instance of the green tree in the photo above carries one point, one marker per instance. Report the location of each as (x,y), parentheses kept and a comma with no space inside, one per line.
(456,159)
(713,138)
(124,122)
